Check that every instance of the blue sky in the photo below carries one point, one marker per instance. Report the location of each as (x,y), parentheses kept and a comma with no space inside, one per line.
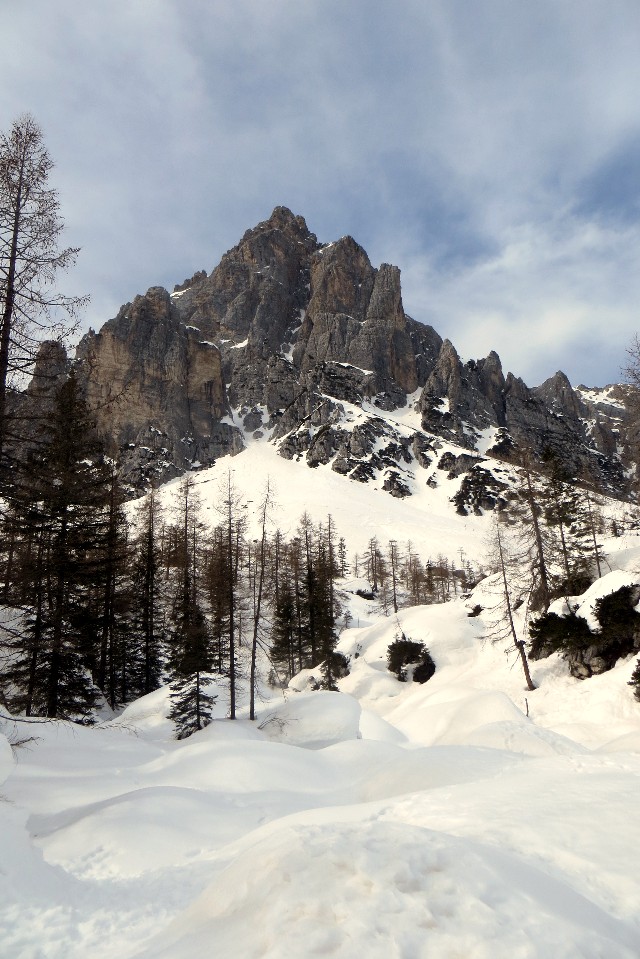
(489,148)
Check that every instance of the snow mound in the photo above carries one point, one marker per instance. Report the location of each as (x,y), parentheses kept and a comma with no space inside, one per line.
(524,738)
(380,770)
(450,716)
(149,714)
(628,743)
(396,890)
(143,831)
(314,720)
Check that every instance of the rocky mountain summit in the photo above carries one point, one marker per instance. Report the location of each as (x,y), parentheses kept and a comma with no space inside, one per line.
(306,344)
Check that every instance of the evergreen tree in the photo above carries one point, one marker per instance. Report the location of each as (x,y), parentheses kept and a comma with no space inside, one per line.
(394,561)
(503,560)
(218,572)
(190,660)
(535,546)
(284,646)
(60,504)
(634,682)
(326,607)
(562,513)
(373,561)
(231,543)
(592,523)
(306,607)
(258,592)
(112,599)
(307,597)
(343,565)
(145,640)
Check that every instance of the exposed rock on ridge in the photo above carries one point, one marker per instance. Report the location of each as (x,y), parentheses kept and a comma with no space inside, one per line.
(461,401)
(285,338)
(156,387)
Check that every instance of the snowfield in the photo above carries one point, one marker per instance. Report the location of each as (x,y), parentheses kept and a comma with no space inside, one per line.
(359,510)
(460,819)
(389,819)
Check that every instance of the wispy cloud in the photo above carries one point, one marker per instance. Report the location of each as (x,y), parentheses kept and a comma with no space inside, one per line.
(491,150)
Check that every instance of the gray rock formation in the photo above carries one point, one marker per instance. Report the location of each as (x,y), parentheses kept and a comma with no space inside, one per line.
(460,401)
(355,315)
(286,338)
(28,411)
(157,390)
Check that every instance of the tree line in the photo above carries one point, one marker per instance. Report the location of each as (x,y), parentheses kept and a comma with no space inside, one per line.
(101,605)
(97,606)
(545,544)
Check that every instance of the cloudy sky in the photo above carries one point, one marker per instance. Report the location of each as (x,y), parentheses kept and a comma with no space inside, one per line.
(489,148)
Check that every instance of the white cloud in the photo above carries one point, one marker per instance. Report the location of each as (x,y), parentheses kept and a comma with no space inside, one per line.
(561,295)
(467,143)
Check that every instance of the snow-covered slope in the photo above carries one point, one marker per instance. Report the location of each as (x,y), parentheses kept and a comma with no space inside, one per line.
(360,510)
(390,819)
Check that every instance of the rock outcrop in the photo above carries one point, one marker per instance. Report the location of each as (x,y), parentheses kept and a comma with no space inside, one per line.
(29,410)
(473,402)
(285,339)
(355,315)
(157,389)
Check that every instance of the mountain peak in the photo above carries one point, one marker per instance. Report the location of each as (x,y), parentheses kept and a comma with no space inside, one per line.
(279,337)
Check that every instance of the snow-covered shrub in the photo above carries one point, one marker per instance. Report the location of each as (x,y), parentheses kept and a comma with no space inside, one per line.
(616,614)
(587,652)
(404,652)
(425,668)
(551,633)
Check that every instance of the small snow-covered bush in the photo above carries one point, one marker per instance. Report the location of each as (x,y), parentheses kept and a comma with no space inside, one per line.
(551,633)
(586,652)
(616,613)
(405,652)
(425,668)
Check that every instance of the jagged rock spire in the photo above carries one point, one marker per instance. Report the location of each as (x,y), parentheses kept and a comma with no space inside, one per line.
(280,332)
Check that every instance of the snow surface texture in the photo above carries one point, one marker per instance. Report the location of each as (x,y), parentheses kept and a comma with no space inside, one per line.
(464,818)
(360,511)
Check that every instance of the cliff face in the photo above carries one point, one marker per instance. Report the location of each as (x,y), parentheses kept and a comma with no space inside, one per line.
(473,403)
(157,389)
(355,315)
(280,336)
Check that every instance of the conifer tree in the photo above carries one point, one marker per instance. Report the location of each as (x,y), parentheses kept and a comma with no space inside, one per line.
(535,543)
(306,608)
(232,541)
(634,682)
(562,513)
(393,566)
(592,522)
(260,570)
(191,655)
(146,630)
(112,599)
(218,571)
(505,627)
(308,600)
(60,504)
(284,633)
(325,603)
(343,565)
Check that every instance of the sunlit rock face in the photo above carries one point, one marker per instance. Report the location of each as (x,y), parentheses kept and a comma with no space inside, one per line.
(285,336)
